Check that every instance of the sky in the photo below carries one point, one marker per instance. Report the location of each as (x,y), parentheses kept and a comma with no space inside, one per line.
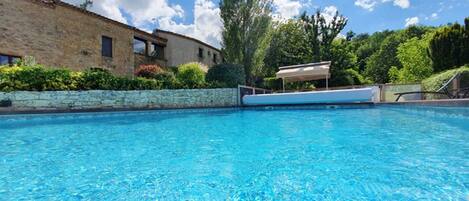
(200,18)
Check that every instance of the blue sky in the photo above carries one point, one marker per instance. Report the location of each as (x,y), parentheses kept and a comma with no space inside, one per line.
(200,18)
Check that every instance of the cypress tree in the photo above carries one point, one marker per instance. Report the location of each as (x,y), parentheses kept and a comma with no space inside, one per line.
(448,48)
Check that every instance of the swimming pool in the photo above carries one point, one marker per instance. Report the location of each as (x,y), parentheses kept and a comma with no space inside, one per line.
(364,153)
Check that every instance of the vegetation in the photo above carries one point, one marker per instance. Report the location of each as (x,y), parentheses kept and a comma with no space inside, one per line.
(416,63)
(191,76)
(148,71)
(436,81)
(246,24)
(228,75)
(256,46)
(449,47)
(33,77)
(262,45)
(286,47)
(38,78)
(86,4)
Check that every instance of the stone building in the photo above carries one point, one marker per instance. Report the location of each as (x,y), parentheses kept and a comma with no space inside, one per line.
(59,34)
(183,49)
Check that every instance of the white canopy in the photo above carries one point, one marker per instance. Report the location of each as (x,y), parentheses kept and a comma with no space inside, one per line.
(305,72)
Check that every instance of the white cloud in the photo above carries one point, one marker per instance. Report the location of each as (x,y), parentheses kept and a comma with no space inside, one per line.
(143,12)
(287,9)
(402,3)
(207,24)
(371,4)
(107,8)
(147,14)
(366,4)
(411,21)
(329,13)
(433,16)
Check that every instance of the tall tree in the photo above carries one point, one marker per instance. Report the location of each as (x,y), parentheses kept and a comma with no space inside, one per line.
(449,47)
(416,63)
(245,25)
(321,32)
(288,46)
(379,63)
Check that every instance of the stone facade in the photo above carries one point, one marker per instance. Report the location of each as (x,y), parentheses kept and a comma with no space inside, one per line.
(62,35)
(182,49)
(90,100)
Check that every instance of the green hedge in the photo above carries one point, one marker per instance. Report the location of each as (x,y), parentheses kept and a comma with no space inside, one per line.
(38,78)
(33,77)
(436,81)
(227,75)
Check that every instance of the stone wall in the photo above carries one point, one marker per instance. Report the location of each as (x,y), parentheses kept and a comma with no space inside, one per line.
(97,100)
(58,34)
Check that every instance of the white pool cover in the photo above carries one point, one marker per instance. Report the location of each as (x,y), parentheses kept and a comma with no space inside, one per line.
(317,97)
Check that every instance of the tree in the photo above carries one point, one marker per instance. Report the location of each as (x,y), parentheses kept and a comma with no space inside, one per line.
(321,33)
(417,65)
(344,64)
(379,63)
(350,35)
(449,47)
(365,45)
(245,25)
(288,46)
(86,4)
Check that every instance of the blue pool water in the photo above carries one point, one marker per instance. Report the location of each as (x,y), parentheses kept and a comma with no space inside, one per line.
(377,153)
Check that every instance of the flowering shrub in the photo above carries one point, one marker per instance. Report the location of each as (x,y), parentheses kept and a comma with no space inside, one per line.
(148,71)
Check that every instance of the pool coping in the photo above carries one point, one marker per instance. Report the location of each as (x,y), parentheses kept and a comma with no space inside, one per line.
(437,103)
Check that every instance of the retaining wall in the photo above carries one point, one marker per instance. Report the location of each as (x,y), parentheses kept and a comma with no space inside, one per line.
(108,100)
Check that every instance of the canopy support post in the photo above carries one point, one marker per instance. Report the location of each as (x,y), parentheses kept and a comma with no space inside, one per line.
(327,82)
(283,85)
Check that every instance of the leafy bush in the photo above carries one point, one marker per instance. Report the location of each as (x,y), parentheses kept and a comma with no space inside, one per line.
(148,71)
(167,79)
(272,83)
(94,79)
(38,78)
(227,75)
(191,75)
(435,82)
(121,83)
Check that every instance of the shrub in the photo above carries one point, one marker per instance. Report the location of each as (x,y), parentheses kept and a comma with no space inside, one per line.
(435,82)
(148,71)
(121,83)
(272,83)
(37,78)
(94,79)
(167,79)
(191,75)
(227,75)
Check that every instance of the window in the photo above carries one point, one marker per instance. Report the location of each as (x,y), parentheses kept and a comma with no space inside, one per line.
(201,53)
(140,46)
(106,46)
(209,53)
(215,58)
(158,51)
(8,59)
